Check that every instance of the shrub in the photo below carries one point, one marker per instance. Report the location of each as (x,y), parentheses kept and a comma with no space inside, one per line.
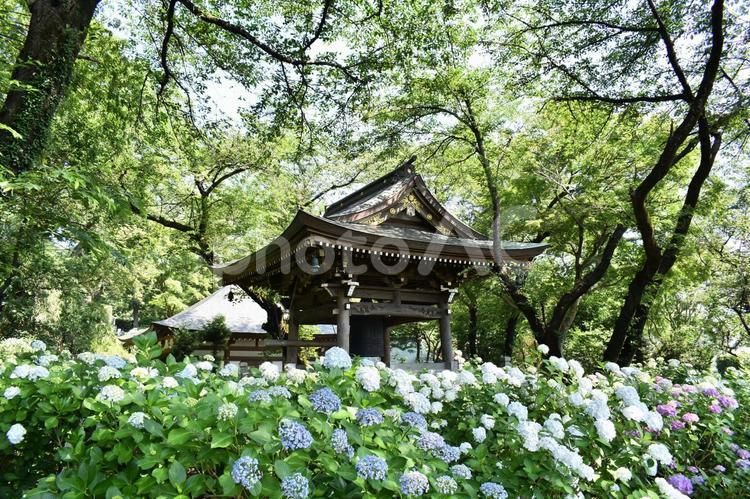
(103,426)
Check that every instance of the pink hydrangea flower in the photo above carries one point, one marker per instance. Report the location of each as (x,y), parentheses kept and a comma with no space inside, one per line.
(714,408)
(690,417)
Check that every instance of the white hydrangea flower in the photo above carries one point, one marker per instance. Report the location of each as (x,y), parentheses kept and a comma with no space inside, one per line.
(597,407)
(612,367)
(479,434)
(651,464)
(559,363)
(107,373)
(501,399)
(516,377)
(294,375)
(418,403)
(627,394)
(622,475)
(569,458)
(136,419)
(337,358)
(111,393)
(143,372)
(86,357)
(11,392)
(465,447)
(554,427)
(633,412)
(467,378)
(543,349)
(46,360)
(230,370)
(209,357)
(518,410)
(487,421)
(38,346)
(227,411)
(16,433)
(169,382)
(369,378)
(252,381)
(668,491)
(450,395)
(653,421)
(529,431)
(660,453)
(188,372)
(204,365)
(576,399)
(576,368)
(436,407)
(673,363)
(605,429)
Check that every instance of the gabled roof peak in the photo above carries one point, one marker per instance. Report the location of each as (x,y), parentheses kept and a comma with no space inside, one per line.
(403,171)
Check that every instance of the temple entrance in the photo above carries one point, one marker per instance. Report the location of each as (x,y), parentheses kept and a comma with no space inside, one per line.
(367,337)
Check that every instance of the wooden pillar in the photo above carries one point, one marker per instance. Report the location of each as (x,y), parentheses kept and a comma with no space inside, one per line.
(445,335)
(387,346)
(292,352)
(342,320)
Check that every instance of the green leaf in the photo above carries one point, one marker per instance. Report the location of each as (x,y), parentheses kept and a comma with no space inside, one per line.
(177,475)
(282,469)
(221,440)
(113,493)
(179,436)
(228,486)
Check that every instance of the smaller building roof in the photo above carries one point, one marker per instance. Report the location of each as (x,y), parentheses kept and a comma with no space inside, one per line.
(242,314)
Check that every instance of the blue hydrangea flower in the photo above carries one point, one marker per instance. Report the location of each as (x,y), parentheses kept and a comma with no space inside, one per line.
(294,435)
(325,401)
(369,417)
(446,485)
(414,420)
(461,471)
(245,472)
(372,467)
(414,483)
(295,486)
(280,391)
(259,396)
(493,490)
(340,443)
(430,440)
(448,453)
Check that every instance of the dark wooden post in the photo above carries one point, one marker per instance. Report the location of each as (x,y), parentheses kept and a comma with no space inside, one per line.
(342,320)
(292,351)
(445,335)
(387,346)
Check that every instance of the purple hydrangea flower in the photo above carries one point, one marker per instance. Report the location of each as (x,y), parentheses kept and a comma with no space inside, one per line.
(430,440)
(743,464)
(681,483)
(245,472)
(711,392)
(720,468)
(697,480)
(666,410)
(493,490)
(726,401)
(677,425)
(743,453)
(714,408)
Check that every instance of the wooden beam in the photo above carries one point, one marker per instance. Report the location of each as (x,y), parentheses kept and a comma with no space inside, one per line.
(391,309)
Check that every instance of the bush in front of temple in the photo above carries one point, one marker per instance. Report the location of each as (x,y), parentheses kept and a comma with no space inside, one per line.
(107,426)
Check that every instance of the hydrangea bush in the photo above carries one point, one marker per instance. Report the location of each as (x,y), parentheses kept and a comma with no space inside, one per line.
(92,425)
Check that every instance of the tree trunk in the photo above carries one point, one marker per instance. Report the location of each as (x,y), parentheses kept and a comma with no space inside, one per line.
(473,326)
(43,70)
(510,335)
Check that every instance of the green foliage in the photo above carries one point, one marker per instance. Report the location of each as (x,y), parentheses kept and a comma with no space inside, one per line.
(217,334)
(176,428)
(185,341)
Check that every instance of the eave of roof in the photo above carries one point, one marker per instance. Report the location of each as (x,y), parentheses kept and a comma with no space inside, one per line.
(308,229)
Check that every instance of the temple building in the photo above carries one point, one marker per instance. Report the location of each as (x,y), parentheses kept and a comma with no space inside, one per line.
(387,254)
